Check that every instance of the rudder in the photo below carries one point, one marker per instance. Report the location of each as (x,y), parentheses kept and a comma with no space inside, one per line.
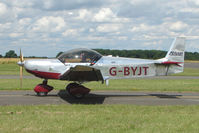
(174,60)
(177,50)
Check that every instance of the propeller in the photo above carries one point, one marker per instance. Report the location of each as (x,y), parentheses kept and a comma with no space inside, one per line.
(20,63)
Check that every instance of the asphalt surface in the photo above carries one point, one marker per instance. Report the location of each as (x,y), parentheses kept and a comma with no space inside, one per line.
(156,77)
(191,65)
(99,97)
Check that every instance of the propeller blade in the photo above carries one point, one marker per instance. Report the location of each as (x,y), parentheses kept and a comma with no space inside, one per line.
(21,56)
(21,69)
(21,76)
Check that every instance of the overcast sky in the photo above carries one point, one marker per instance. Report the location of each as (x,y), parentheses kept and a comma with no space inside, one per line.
(46,27)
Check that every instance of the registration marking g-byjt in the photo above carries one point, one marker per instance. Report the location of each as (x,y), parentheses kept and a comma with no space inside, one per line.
(129,71)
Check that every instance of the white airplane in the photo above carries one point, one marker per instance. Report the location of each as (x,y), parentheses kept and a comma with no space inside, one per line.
(84,65)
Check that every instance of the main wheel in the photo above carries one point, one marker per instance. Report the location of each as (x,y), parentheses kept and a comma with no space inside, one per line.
(77,91)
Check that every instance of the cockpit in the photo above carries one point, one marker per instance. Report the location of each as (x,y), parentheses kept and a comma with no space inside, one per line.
(80,55)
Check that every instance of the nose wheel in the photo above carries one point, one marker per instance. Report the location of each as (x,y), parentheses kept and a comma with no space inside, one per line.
(76,90)
(43,89)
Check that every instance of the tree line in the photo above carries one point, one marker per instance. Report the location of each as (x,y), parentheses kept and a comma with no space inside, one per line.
(144,54)
(12,54)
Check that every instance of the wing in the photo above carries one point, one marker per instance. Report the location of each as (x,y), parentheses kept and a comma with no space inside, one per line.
(82,73)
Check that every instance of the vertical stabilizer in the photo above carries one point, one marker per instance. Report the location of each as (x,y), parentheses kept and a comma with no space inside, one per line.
(174,60)
(177,50)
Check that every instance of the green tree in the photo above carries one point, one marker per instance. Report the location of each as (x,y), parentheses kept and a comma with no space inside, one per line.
(11,54)
(1,56)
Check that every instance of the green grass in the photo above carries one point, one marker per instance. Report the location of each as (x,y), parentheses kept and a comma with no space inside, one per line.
(10,69)
(177,85)
(99,118)
(189,72)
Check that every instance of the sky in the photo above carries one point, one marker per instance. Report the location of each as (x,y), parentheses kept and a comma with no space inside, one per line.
(46,27)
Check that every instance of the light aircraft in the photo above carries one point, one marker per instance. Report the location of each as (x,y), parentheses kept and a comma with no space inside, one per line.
(85,65)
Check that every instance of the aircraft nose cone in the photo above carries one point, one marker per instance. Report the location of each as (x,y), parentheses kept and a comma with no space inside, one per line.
(21,63)
(29,65)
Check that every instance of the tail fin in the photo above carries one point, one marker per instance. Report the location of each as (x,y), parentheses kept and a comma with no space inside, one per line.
(177,50)
(174,60)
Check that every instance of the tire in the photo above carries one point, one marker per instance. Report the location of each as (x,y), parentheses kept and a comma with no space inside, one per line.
(71,86)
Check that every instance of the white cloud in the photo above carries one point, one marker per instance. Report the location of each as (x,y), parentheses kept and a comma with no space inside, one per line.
(47,4)
(105,14)
(5,27)
(109,27)
(22,3)
(96,38)
(122,38)
(70,32)
(25,21)
(196,2)
(143,27)
(91,30)
(135,23)
(14,35)
(140,2)
(84,15)
(49,23)
(3,9)
(178,26)
(169,29)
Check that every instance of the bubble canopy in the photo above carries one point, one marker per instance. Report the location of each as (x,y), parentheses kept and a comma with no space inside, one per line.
(80,55)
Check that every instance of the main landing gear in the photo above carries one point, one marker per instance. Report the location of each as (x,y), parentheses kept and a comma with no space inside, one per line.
(43,89)
(76,90)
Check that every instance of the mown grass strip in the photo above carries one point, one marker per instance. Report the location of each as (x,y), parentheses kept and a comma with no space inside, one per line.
(99,118)
(10,69)
(175,85)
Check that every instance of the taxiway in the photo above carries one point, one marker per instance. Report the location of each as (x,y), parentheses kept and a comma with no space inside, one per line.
(100,97)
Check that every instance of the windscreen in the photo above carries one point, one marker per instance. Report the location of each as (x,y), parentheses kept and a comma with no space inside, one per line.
(80,56)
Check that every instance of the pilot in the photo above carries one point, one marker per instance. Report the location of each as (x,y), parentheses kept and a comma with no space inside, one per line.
(83,57)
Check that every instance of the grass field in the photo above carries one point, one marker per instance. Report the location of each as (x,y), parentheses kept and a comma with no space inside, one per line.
(10,69)
(99,119)
(9,60)
(175,85)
